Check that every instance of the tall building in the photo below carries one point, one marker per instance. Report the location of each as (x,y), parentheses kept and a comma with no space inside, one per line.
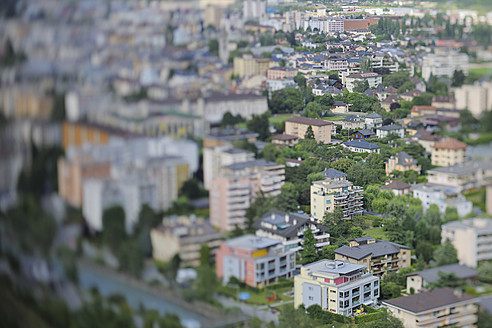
(335,191)
(337,286)
(213,15)
(236,186)
(442,196)
(298,126)
(257,261)
(379,256)
(373,79)
(248,65)
(448,151)
(254,9)
(472,239)
(444,64)
(477,97)
(438,308)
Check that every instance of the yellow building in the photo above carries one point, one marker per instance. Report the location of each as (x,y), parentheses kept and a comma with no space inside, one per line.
(247,65)
(76,134)
(448,151)
(378,256)
(298,126)
(442,307)
(337,286)
(402,162)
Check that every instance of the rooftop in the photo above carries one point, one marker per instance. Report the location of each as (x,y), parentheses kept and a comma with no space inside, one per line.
(285,224)
(377,249)
(481,225)
(353,118)
(373,115)
(333,266)
(366,132)
(449,143)
(397,185)
(308,121)
(427,301)
(284,137)
(332,173)
(361,143)
(463,169)
(390,127)
(461,271)
(251,164)
(252,242)
(402,158)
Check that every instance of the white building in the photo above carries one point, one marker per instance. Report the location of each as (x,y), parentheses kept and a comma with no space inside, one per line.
(373,120)
(374,79)
(275,85)
(477,98)
(472,239)
(443,197)
(464,176)
(444,64)
(254,9)
(386,130)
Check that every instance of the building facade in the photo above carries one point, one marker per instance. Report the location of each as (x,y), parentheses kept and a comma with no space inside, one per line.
(402,162)
(298,126)
(420,280)
(373,120)
(337,286)
(444,64)
(464,176)
(448,151)
(361,146)
(257,261)
(386,130)
(374,79)
(443,197)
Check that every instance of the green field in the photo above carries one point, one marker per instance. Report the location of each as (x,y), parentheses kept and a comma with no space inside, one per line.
(279,118)
(376,233)
(477,197)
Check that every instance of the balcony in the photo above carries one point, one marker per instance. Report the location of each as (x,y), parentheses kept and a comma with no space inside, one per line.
(355,303)
(355,294)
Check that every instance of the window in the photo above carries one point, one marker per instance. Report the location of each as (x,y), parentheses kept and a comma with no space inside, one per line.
(310,298)
(376,292)
(376,283)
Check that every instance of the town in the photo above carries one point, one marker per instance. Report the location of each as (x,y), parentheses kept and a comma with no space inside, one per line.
(247,164)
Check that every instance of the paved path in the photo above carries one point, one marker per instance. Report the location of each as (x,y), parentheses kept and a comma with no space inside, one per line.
(251,310)
(264,307)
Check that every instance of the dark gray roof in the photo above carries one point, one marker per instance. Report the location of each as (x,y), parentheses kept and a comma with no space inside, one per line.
(353,118)
(373,115)
(366,132)
(428,300)
(332,173)
(339,103)
(397,185)
(284,223)
(461,271)
(377,249)
(361,143)
(402,157)
(390,127)
(486,304)
(250,164)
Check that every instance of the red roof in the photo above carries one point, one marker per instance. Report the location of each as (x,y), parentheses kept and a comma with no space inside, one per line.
(421,108)
(450,143)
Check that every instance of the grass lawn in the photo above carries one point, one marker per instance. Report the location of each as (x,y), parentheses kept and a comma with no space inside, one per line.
(376,233)
(257,297)
(477,197)
(335,118)
(279,118)
(480,71)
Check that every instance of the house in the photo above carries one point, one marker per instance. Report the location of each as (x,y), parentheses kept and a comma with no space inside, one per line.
(443,102)
(336,286)
(290,229)
(436,308)
(256,261)
(363,134)
(389,102)
(339,107)
(426,139)
(465,176)
(353,122)
(378,256)
(362,146)
(397,187)
(471,238)
(443,197)
(183,236)
(385,130)
(419,84)
(285,140)
(373,120)
(420,280)
(448,151)
(418,110)
(409,95)
(298,126)
(323,89)
(373,79)
(335,191)
(402,162)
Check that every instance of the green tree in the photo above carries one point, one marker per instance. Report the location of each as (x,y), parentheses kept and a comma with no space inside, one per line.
(308,252)
(424,250)
(313,110)
(458,78)
(451,214)
(260,125)
(446,254)
(130,258)
(361,86)
(433,215)
(296,318)
(448,280)
(193,189)
(325,100)
(213,47)
(300,80)
(366,65)
(396,79)
(230,120)
(390,290)
(329,251)
(288,199)
(309,133)
(356,232)
(380,205)
(343,165)
(287,100)
(205,258)
(485,272)
(113,222)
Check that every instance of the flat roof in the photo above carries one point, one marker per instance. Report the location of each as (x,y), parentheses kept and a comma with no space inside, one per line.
(333,266)
(250,241)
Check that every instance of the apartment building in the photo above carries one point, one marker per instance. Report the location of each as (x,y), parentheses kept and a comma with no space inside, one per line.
(402,162)
(216,157)
(443,197)
(373,120)
(444,64)
(290,229)
(436,308)
(336,64)
(280,73)
(477,97)
(257,261)
(297,126)
(337,286)
(276,85)
(335,191)
(386,130)
(378,256)
(418,110)
(374,79)
(236,186)
(420,280)
(472,239)
(353,122)
(464,176)
(285,140)
(334,26)
(361,146)
(184,235)
(426,139)
(448,151)
(248,65)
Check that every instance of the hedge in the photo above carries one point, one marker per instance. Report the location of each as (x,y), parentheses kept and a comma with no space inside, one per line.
(370,309)
(367,317)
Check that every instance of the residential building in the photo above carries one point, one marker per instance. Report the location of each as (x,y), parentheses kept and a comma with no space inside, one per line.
(184,236)
(256,261)
(464,176)
(247,65)
(443,102)
(212,16)
(280,73)
(363,134)
(236,186)
(436,308)
(290,229)
(353,122)
(335,191)
(426,139)
(443,197)
(444,64)
(418,110)
(323,89)
(298,126)
(420,280)
(254,9)
(374,79)
(472,239)
(397,187)
(336,64)
(373,120)
(335,25)
(339,107)
(362,146)
(336,286)
(77,134)
(378,256)
(402,162)
(276,85)
(448,151)
(220,137)
(285,140)
(216,157)
(385,130)
(477,97)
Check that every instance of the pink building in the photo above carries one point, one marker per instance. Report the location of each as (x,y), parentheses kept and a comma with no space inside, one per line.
(257,261)
(280,73)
